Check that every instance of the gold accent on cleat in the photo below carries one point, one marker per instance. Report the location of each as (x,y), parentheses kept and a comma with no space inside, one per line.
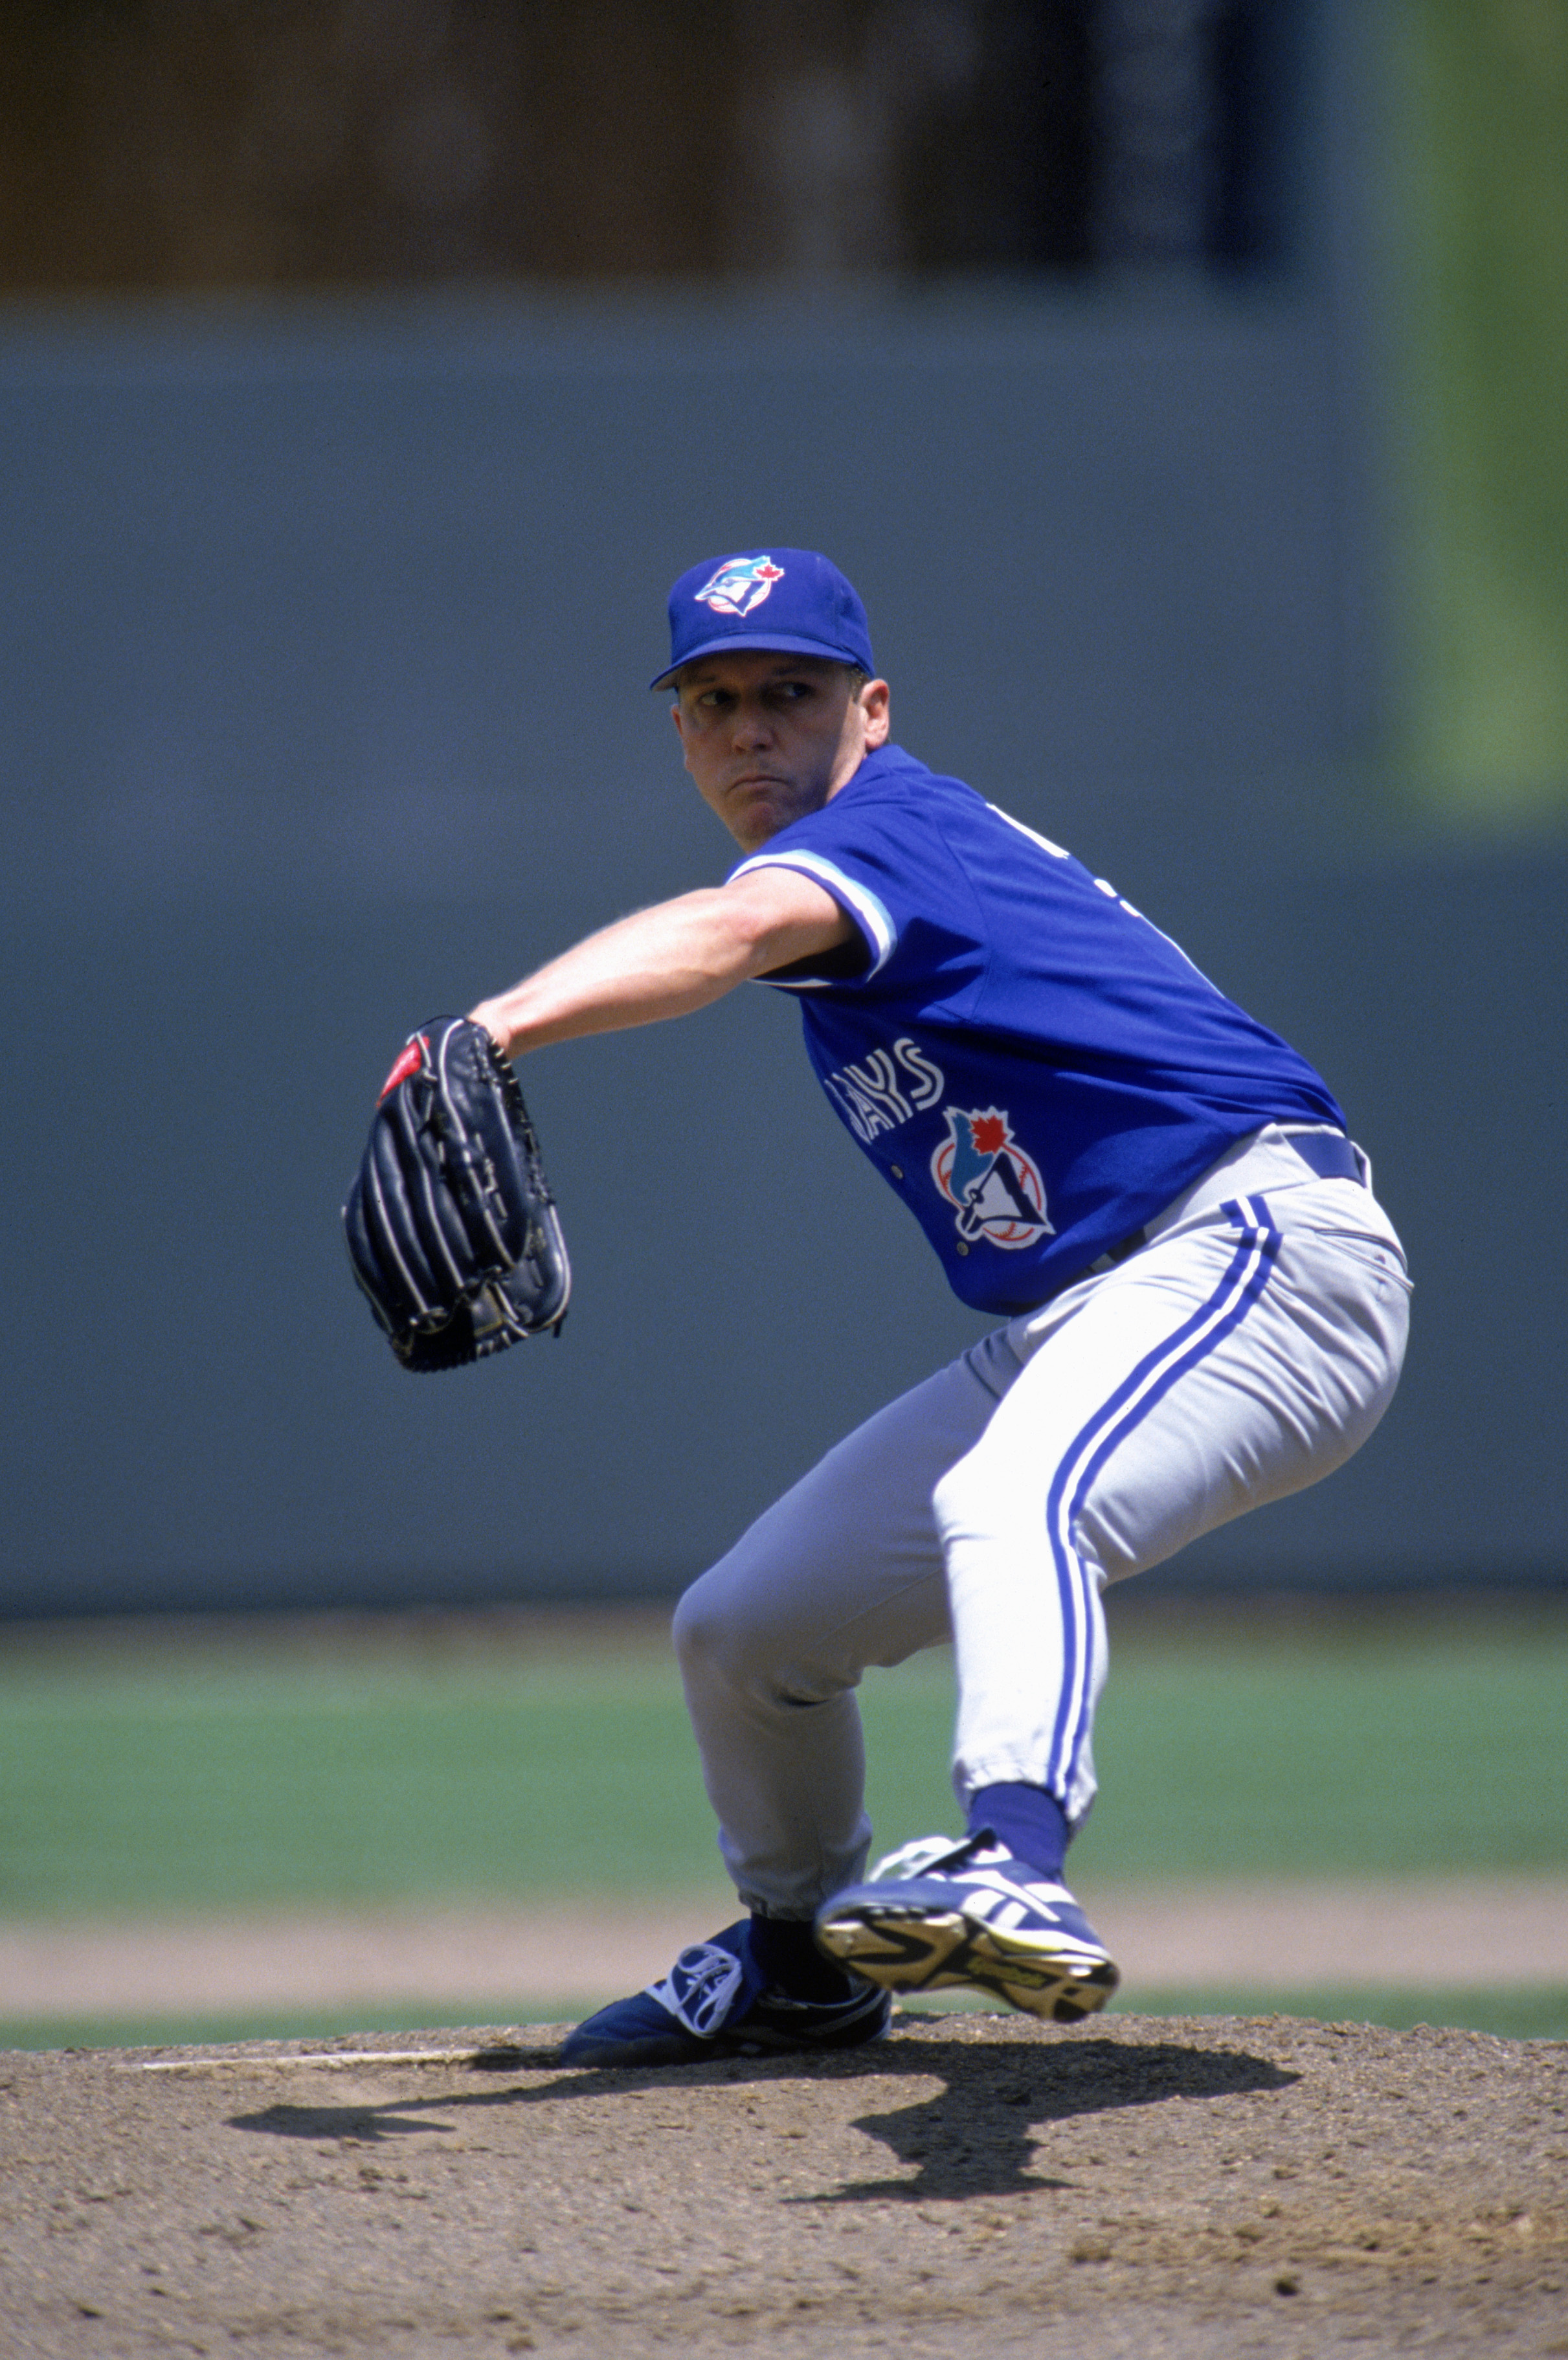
(940,1952)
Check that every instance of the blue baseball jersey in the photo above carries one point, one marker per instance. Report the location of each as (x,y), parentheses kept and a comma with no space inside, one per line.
(1034,1067)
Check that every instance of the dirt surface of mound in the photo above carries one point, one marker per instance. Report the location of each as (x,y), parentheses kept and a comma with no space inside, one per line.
(1148,2189)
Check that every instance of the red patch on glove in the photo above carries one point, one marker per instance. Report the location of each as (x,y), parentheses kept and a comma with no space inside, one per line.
(412,1058)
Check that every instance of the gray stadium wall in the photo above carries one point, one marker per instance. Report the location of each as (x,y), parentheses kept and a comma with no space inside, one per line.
(326,637)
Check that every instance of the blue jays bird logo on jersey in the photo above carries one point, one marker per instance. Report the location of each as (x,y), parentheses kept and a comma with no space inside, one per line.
(981,1168)
(739,585)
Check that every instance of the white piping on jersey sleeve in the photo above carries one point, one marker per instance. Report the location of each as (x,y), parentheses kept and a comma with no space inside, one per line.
(871,916)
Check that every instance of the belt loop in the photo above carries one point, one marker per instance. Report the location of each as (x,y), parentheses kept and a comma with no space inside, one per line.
(1329,1154)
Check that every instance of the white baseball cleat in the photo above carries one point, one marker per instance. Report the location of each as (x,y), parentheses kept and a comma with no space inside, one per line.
(940,1914)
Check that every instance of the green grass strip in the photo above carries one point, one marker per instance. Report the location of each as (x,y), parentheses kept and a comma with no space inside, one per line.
(1523,2015)
(183,1775)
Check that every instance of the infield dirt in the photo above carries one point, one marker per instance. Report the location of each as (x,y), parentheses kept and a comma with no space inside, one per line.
(1141,2187)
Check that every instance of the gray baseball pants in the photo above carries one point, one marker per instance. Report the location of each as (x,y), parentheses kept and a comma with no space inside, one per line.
(1243,1353)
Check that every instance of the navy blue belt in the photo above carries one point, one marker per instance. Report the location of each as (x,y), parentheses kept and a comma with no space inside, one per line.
(1327,1154)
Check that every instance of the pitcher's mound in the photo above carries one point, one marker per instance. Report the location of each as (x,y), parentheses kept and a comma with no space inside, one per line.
(975,2185)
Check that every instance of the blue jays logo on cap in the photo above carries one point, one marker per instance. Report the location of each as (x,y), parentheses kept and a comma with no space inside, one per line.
(807,609)
(739,585)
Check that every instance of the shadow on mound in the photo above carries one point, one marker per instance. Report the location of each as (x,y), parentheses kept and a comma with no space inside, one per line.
(973,2138)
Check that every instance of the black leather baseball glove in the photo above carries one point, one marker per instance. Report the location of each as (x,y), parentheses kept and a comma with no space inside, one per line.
(451,1227)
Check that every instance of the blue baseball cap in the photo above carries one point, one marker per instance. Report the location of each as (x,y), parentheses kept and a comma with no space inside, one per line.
(790,599)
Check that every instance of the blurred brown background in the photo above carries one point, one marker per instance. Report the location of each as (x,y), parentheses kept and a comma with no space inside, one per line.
(187,144)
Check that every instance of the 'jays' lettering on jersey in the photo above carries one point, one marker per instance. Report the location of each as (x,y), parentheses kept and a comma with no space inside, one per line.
(1033,1066)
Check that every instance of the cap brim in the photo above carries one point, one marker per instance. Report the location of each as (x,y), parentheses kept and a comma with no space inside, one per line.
(774,642)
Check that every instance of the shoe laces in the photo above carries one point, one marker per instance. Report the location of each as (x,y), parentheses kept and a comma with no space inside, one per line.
(981,1860)
(929,1853)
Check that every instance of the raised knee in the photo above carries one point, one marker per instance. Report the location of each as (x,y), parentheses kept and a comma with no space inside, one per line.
(720,1632)
(698,1629)
(730,1633)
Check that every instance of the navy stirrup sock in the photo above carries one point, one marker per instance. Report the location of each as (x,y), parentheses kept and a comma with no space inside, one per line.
(785,1951)
(1031,1823)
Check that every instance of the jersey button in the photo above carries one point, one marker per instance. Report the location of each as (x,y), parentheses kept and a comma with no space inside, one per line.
(962,1248)
(897,1170)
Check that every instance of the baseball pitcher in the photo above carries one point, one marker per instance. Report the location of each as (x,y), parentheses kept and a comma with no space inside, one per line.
(1200,1306)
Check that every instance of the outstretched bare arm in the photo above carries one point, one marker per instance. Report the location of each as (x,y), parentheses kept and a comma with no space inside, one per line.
(669,960)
